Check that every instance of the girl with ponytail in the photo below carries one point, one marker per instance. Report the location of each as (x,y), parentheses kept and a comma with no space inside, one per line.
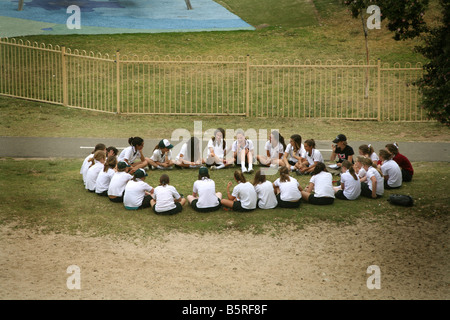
(368,152)
(105,176)
(287,189)
(132,153)
(96,164)
(244,196)
(350,188)
(274,147)
(402,161)
(374,188)
(312,157)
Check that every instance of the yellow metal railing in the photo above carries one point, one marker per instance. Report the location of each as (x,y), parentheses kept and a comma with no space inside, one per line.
(210,86)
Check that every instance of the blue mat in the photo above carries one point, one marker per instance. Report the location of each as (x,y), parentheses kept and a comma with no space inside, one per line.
(115,16)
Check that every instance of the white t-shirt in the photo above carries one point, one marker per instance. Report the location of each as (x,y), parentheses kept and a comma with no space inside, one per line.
(135,192)
(323,185)
(206,191)
(315,156)
(374,157)
(391,168)
(290,151)
(248,145)
(164,197)
(92,174)
(159,157)
(183,151)
(266,195)
(288,189)
(274,151)
(130,153)
(103,180)
(362,173)
(85,166)
(380,181)
(217,148)
(246,194)
(352,187)
(118,182)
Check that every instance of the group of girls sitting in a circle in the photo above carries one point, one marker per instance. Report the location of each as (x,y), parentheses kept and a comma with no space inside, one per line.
(122,179)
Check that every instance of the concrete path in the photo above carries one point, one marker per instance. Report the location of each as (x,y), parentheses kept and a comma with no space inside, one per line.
(38,147)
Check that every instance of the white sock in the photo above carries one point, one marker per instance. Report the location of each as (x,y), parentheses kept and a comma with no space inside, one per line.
(292,168)
(220,166)
(250,166)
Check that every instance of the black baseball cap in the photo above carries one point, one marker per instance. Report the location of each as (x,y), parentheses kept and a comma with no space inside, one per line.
(340,137)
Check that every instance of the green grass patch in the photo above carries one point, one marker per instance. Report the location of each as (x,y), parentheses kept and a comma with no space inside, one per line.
(49,196)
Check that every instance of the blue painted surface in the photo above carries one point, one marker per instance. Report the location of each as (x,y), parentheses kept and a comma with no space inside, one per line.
(164,15)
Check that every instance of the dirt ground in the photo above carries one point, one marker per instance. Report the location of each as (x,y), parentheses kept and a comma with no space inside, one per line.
(321,261)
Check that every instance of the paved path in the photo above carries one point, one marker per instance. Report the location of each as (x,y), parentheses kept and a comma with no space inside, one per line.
(37,147)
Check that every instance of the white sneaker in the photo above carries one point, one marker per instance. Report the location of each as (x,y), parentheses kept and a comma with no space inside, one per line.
(244,170)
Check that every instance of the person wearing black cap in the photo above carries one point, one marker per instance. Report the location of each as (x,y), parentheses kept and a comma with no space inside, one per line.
(342,150)
(204,197)
(137,192)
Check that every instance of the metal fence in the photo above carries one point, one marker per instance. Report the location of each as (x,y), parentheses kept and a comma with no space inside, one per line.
(206,86)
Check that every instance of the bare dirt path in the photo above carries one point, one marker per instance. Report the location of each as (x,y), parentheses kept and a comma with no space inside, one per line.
(322,261)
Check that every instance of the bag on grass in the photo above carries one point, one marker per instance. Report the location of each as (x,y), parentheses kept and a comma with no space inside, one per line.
(401,200)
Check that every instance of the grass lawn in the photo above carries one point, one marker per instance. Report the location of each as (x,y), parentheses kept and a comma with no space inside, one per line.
(49,196)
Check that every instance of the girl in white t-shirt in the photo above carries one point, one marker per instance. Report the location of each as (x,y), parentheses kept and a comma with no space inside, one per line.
(132,153)
(162,156)
(294,153)
(322,184)
(392,172)
(350,188)
(368,152)
(312,157)
(166,199)
(244,196)
(86,163)
(359,169)
(264,191)
(243,152)
(190,155)
(96,164)
(287,190)
(119,180)
(374,188)
(137,192)
(204,197)
(104,177)
(274,147)
(217,150)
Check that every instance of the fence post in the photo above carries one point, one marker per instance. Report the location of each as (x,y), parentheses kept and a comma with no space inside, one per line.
(247,88)
(64,77)
(379,88)
(118,80)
